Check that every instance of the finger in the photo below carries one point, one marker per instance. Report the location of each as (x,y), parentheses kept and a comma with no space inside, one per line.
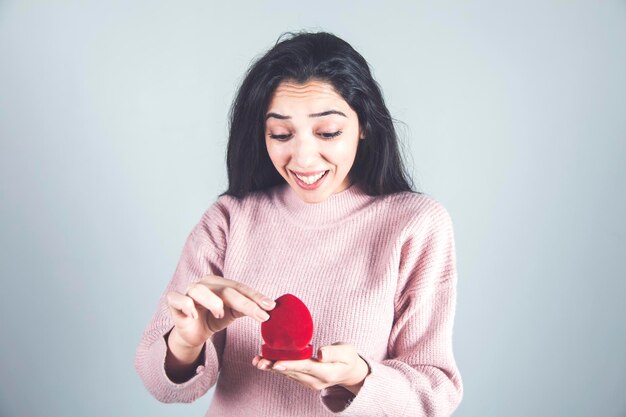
(304,366)
(322,371)
(308,381)
(201,294)
(239,302)
(256,360)
(177,314)
(327,373)
(342,353)
(182,303)
(261,300)
(264,364)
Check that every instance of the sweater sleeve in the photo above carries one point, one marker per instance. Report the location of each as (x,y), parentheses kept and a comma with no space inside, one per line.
(202,254)
(419,377)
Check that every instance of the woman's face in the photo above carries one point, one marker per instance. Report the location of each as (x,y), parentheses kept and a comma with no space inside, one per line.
(312,135)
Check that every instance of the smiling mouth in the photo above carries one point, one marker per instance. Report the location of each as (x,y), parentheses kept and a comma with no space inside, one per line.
(310,181)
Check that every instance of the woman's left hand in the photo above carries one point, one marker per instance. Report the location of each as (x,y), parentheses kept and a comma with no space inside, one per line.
(337,364)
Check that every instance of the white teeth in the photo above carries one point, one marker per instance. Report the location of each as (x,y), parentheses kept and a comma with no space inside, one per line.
(311,180)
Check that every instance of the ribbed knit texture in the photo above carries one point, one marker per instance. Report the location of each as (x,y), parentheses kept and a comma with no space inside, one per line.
(376,272)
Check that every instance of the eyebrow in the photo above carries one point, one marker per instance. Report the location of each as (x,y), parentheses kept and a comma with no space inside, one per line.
(324,113)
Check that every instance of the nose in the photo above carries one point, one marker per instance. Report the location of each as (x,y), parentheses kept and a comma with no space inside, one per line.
(305,151)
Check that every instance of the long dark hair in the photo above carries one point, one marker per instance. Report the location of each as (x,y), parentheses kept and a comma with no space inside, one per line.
(378,167)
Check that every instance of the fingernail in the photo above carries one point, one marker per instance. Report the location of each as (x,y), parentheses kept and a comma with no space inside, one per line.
(267,302)
(262,315)
(279,368)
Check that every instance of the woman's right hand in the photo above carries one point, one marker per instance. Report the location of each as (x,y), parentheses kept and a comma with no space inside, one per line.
(210,305)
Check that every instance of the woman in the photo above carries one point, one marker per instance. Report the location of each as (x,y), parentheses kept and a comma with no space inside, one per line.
(319,206)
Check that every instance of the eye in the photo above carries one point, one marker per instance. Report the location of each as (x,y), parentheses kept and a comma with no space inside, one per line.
(330,135)
(281,138)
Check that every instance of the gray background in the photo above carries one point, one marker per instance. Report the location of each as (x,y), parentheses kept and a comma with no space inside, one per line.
(113,124)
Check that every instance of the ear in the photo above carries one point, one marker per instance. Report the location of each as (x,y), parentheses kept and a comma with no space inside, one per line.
(363,128)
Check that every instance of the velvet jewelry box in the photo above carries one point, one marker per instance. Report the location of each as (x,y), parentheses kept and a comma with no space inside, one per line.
(288,332)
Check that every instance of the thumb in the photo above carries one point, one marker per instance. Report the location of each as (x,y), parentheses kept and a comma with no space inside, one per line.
(337,352)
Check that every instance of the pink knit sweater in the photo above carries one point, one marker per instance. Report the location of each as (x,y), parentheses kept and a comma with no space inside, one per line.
(376,272)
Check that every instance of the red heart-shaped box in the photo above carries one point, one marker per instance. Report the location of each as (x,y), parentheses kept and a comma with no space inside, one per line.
(288,331)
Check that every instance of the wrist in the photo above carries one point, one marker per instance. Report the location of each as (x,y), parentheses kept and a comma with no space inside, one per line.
(361,372)
(182,350)
(181,361)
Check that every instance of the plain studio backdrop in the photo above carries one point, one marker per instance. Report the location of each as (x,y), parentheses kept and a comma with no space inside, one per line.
(113,127)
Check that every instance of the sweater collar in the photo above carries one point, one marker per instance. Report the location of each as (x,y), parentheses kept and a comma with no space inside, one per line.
(334,209)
